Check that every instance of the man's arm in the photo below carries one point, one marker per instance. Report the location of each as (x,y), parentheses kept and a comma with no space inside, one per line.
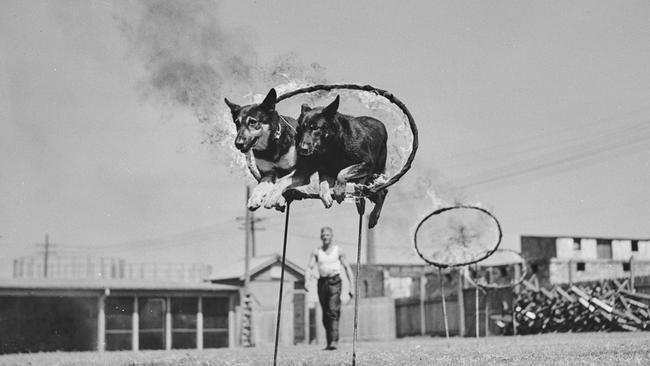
(348,272)
(308,271)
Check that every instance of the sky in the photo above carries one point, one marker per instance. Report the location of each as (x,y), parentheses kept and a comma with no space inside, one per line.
(537,111)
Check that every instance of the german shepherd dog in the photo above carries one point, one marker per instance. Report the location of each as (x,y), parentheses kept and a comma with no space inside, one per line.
(341,149)
(270,136)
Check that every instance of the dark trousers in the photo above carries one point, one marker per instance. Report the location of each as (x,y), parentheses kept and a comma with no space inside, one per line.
(329,295)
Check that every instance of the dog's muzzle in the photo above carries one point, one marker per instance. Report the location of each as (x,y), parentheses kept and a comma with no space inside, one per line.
(245,147)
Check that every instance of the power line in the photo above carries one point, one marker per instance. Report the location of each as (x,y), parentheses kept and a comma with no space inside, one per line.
(551,163)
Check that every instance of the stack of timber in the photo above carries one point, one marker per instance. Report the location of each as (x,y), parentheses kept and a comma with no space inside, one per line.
(605,306)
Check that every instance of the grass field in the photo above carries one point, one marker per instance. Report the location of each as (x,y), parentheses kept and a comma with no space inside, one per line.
(547,349)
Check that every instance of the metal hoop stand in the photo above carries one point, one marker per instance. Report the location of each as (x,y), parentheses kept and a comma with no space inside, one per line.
(440,265)
(364,190)
(487,287)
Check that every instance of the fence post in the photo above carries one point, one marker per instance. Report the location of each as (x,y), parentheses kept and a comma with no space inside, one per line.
(632,288)
(461,305)
(423,323)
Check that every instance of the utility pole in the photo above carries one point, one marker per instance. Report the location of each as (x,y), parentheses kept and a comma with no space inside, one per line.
(253,228)
(247,314)
(46,253)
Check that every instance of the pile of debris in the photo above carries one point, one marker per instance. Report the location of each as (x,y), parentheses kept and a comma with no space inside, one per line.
(605,306)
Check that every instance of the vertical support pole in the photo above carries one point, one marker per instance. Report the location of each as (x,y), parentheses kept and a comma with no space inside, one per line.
(514,317)
(247,311)
(423,320)
(284,253)
(305,306)
(101,323)
(199,324)
(476,308)
(361,207)
(135,325)
(231,322)
(487,313)
(168,323)
(247,253)
(632,288)
(570,272)
(444,305)
(461,305)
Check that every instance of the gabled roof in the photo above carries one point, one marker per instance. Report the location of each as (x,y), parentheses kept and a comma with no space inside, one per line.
(103,284)
(235,270)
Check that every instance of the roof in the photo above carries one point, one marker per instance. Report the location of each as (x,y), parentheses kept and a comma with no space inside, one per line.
(102,285)
(582,237)
(501,258)
(235,270)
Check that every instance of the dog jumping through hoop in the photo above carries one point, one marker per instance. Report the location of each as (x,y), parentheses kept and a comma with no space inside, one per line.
(342,149)
(271,138)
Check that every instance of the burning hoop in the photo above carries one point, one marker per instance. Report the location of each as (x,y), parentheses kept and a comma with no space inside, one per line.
(457,236)
(377,185)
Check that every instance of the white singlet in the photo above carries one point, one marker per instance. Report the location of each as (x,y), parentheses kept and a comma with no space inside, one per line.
(328,264)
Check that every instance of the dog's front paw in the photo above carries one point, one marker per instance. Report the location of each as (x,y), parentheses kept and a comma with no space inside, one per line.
(281,204)
(325,194)
(258,195)
(339,191)
(273,198)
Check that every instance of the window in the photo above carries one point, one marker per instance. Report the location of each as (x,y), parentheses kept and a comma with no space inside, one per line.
(604,248)
(184,311)
(626,266)
(580,266)
(534,268)
(152,323)
(215,322)
(635,245)
(119,313)
(504,271)
(577,244)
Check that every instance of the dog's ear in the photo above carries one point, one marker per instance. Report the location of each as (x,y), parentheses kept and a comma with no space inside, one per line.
(303,110)
(234,108)
(331,109)
(269,102)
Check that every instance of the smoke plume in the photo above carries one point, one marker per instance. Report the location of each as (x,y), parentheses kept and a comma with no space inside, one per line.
(192,61)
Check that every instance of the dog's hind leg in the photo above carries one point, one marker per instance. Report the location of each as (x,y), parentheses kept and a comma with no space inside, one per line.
(357,172)
(378,199)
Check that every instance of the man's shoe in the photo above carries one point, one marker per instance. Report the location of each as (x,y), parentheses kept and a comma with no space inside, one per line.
(333,346)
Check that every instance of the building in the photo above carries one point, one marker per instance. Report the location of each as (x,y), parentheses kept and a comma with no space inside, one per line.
(265,272)
(567,259)
(82,315)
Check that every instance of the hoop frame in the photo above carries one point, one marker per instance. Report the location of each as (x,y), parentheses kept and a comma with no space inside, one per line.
(363,189)
(444,209)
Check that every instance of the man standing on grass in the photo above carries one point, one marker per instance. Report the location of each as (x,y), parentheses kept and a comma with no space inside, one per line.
(330,260)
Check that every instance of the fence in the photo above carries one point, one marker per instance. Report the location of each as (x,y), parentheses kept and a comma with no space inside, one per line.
(409,316)
(60,267)
(408,311)
(376,322)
